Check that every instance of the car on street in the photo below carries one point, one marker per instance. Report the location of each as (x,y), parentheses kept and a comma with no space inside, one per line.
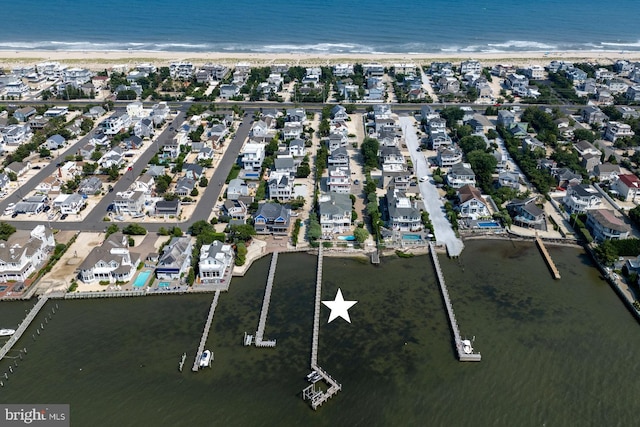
(356,182)
(63,217)
(424,178)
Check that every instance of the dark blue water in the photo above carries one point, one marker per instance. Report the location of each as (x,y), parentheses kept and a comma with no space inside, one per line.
(326,26)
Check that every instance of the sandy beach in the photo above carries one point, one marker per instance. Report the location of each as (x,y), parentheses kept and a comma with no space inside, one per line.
(107,59)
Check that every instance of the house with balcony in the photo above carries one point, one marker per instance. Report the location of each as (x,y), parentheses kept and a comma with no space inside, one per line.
(509,179)
(24,252)
(215,264)
(335,213)
(297,148)
(272,218)
(506,118)
(592,115)
(235,209)
(113,157)
(237,188)
(581,198)
(628,187)
(404,214)
(167,208)
(252,157)
(339,179)
(114,124)
(460,175)
(184,186)
(175,260)
(129,202)
(16,134)
(280,186)
(339,157)
(50,184)
(70,204)
(23,114)
(604,224)
(616,130)
(471,204)
(448,156)
(606,172)
(526,213)
(90,185)
(285,163)
(111,262)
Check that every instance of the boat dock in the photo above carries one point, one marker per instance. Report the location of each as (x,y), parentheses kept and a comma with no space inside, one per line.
(547,258)
(462,355)
(205,333)
(23,326)
(259,342)
(375,257)
(315,395)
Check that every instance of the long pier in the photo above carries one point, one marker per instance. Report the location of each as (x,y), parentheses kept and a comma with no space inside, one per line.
(265,306)
(23,326)
(462,355)
(316,396)
(547,258)
(205,333)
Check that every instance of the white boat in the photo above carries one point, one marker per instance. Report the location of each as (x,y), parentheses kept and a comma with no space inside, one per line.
(466,347)
(7,332)
(205,359)
(311,375)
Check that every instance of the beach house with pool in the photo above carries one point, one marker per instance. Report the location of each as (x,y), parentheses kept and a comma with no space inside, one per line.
(216,262)
(110,262)
(175,259)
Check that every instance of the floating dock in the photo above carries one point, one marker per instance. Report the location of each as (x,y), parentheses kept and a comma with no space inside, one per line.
(259,341)
(205,333)
(312,393)
(23,326)
(547,258)
(462,355)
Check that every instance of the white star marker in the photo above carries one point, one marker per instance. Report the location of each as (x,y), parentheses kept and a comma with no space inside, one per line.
(339,307)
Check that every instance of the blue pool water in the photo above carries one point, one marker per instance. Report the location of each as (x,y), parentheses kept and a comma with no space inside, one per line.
(163,284)
(411,237)
(142,279)
(348,238)
(488,224)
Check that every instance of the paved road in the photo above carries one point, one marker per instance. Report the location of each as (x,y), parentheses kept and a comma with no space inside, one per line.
(432,203)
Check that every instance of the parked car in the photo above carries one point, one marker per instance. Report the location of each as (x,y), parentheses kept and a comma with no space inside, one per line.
(63,217)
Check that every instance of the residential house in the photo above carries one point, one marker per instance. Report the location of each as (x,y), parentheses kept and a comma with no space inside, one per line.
(24,252)
(593,115)
(284,163)
(280,186)
(438,139)
(87,151)
(237,188)
(590,161)
(156,170)
(581,198)
(18,168)
(292,130)
(338,112)
(16,134)
(335,141)
(335,213)
(448,156)
(193,171)
(181,70)
(566,177)
(111,262)
(627,186)
(144,183)
(339,179)
(606,172)
(506,118)
(184,186)
(91,185)
(229,91)
(460,175)
(55,142)
(133,142)
(113,157)
(509,179)
(526,213)
(95,113)
(272,218)
(48,185)
(205,153)
(171,149)
(471,204)
(470,66)
(604,224)
(4,181)
(114,124)
(23,114)
(633,93)
(252,158)
(167,208)
(339,157)
(31,205)
(129,202)
(175,260)
(69,204)
(216,263)
(297,148)
(404,214)
(615,130)
(144,128)
(235,209)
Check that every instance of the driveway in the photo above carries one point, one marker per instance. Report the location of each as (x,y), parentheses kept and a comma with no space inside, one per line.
(432,203)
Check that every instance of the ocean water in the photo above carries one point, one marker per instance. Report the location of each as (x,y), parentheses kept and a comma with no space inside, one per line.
(554,352)
(327,26)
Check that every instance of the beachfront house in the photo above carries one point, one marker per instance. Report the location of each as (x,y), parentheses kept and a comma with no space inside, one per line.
(628,187)
(24,252)
(216,263)
(581,198)
(175,260)
(604,224)
(471,204)
(526,213)
(272,218)
(335,213)
(404,214)
(110,262)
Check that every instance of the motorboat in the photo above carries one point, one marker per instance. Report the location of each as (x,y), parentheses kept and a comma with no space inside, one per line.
(311,375)
(466,347)
(7,332)
(205,359)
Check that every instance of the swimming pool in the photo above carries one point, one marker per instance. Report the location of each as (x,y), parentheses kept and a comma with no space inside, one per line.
(142,278)
(348,238)
(411,237)
(488,224)
(164,284)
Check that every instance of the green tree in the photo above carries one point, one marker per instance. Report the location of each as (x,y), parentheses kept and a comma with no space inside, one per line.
(6,230)
(360,234)
(134,230)
(44,152)
(242,232)
(472,143)
(96,155)
(483,164)
(113,228)
(314,231)
(162,183)
(241,254)
(203,181)
(369,150)
(200,227)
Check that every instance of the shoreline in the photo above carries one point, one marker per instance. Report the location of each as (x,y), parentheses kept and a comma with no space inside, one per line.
(102,59)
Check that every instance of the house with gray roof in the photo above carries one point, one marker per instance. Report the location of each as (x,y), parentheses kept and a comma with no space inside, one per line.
(110,262)
(606,172)
(193,170)
(156,170)
(604,224)
(237,188)
(284,164)
(404,214)
(460,175)
(297,148)
(167,208)
(215,264)
(175,259)
(280,186)
(24,252)
(526,213)
(272,218)
(235,209)
(184,186)
(55,142)
(129,202)
(90,185)
(339,157)
(509,179)
(581,198)
(335,213)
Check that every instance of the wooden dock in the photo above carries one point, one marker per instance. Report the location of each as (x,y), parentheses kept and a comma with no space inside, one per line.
(316,396)
(375,257)
(259,341)
(23,326)
(205,333)
(547,258)
(462,356)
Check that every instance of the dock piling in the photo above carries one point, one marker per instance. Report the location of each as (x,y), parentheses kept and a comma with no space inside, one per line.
(205,333)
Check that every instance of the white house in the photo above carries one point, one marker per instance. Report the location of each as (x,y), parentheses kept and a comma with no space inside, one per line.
(252,157)
(111,262)
(335,213)
(471,203)
(215,264)
(580,198)
(628,187)
(24,252)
